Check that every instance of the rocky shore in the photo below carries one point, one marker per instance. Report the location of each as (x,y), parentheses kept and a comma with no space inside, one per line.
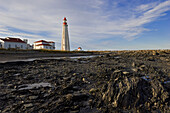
(118,82)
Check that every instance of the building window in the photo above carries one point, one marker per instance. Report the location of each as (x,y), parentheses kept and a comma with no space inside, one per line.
(9,46)
(15,46)
(21,46)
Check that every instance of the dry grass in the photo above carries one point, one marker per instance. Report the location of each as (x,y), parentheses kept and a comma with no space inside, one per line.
(59,51)
(40,50)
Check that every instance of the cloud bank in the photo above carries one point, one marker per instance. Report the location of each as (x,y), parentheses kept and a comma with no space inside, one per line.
(90,21)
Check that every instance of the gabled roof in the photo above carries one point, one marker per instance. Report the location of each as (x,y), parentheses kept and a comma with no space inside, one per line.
(44,41)
(51,42)
(41,41)
(9,39)
(43,44)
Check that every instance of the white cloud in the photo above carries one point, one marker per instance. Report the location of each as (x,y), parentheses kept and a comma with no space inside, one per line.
(89,20)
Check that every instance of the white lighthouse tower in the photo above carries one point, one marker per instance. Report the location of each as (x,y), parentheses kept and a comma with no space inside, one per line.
(65,46)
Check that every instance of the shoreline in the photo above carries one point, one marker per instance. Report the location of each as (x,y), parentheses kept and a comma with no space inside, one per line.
(12,55)
(38,55)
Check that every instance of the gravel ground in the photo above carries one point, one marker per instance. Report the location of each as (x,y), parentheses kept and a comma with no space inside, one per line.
(122,82)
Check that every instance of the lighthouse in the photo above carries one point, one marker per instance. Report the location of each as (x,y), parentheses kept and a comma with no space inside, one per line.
(65,46)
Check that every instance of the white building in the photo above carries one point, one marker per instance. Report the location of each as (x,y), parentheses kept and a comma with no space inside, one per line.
(42,44)
(15,43)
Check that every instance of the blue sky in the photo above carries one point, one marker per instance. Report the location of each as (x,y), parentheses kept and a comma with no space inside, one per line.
(93,24)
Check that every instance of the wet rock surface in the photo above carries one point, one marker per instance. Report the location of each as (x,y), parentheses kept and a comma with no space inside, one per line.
(122,82)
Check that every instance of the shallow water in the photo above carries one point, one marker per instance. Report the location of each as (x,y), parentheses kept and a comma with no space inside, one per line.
(167,82)
(146,78)
(35,85)
(48,58)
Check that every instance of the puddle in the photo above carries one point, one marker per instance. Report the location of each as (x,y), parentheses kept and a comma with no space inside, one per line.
(32,86)
(17,74)
(84,62)
(146,78)
(21,60)
(117,57)
(91,56)
(166,82)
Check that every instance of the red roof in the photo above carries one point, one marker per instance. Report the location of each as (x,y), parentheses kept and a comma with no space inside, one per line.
(51,42)
(9,39)
(44,41)
(41,41)
(43,44)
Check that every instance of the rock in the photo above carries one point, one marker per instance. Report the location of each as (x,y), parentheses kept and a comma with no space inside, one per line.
(93,91)
(90,102)
(155,53)
(135,69)
(33,97)
(6,110)
(133,64)
(114,104)
(74,74)
(142,67)
(117,71)
(69,96)
(125,72)
(124,92)
(107,55)
(15,87)
(79,96)
(28,105)
(151,59)
(10,85)
(22,96)
(76,111)
(167,84)
(100,56)
(84,80)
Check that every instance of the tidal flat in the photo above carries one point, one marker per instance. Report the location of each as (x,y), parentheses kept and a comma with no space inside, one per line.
(121,82)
